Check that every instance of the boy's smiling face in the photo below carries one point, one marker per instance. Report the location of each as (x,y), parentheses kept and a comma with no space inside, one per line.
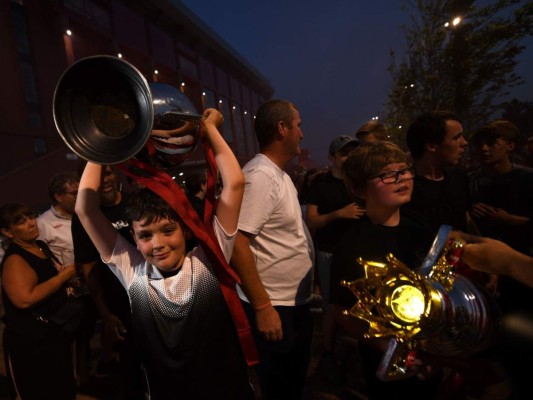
(390,195)
(162,243)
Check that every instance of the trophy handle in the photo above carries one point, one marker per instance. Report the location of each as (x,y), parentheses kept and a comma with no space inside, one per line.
(396,362)
(435,251)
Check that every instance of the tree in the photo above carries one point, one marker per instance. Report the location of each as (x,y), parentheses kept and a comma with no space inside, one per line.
(521,114)
(461,57)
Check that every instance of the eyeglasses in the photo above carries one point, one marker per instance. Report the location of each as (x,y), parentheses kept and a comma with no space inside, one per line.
(391,177)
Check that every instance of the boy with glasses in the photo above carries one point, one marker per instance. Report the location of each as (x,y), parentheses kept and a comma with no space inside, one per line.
(381,175)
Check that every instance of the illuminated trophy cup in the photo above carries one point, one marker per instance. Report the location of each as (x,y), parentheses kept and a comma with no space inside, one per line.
(433,309)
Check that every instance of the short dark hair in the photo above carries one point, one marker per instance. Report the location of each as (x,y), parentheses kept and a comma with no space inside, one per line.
(14,213)
(145,204)
(193,182)
(56,184)
(378,129)
(368,160)
(267,117)
(429,127)
(496,129)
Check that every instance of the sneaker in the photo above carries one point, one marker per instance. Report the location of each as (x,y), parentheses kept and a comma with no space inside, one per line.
(329,367)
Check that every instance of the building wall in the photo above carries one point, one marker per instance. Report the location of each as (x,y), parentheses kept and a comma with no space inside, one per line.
(162,39)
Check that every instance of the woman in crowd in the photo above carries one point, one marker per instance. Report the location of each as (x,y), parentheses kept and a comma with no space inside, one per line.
(33,288)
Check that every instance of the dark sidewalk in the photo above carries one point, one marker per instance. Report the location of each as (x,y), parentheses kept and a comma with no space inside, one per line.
(317,387)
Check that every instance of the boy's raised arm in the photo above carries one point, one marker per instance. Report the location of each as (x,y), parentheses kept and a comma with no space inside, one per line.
(229,204)
(97,226)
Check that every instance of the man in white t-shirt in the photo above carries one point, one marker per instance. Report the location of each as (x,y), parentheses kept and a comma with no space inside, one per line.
(54,224)
(273,255)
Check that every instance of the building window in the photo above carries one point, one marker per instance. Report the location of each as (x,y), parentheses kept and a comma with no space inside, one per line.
(20,24)
(188,67)
(237,121)
(91,11)
(208,99)
(250,133)
(223,106)
(39,146)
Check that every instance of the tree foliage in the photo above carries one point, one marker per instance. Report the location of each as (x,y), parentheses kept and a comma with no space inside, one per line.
(466,68)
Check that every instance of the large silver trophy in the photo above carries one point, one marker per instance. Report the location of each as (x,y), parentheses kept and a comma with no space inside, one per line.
(434,309)
(106,112)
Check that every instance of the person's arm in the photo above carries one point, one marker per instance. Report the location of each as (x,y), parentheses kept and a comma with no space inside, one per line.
(497,215)
(493,256)
(97,226)
(229,203)
(21,283)
(267,318)
(315,220)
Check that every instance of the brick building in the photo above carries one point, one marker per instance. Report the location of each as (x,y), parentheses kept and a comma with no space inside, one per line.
(162,38)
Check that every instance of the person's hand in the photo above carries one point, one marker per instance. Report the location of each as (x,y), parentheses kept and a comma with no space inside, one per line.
(351,211)
(212,116)
(485,254)
(66,271)
(490,214)
(114,328)
(481,210)
(269,324)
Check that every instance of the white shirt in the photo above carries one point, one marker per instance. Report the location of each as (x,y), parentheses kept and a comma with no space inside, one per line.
(280,242)
(54,230)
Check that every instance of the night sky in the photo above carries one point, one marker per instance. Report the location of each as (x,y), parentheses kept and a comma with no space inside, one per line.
(329,58)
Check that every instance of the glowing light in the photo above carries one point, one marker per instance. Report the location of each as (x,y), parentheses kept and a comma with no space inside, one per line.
(233,107)
(182,83)
(220,101)
(246,112)
(407,303)
(203,93)
(456,21)
(180,174)
(447,24)
(119,55)
(68,32)
(156,72)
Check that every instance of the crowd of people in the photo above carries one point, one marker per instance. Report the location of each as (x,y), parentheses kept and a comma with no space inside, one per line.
(185,315)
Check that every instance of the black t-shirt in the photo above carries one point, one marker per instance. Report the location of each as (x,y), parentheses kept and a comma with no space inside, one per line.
(330,194)
(512,192)
(443,202)
(409,242)
(114,294)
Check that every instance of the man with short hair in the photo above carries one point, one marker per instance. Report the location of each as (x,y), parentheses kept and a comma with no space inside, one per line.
(372,132)
(331,211)
(440,194)
(273,255)
(502,195)
(54,224)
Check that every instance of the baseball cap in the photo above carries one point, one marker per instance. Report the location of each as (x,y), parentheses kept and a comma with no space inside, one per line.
(341,141)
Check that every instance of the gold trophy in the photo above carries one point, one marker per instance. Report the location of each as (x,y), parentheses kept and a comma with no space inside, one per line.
(433,309)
